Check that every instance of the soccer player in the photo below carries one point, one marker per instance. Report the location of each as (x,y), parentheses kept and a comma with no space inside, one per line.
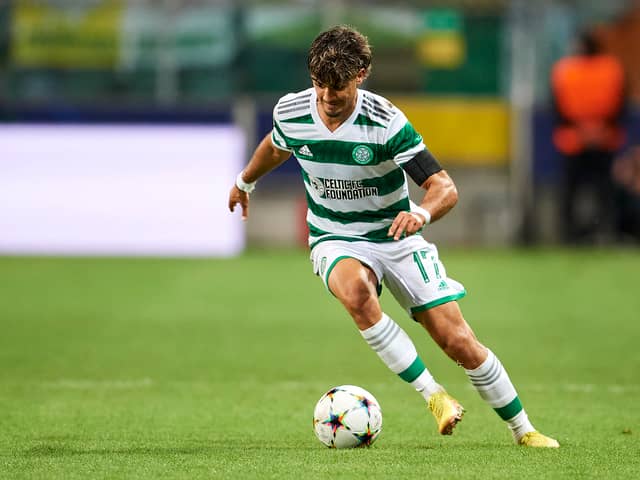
(356,149)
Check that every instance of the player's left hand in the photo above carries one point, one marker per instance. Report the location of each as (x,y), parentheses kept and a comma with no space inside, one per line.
(406,223)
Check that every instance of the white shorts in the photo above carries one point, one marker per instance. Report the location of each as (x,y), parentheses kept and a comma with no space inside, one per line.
(410,269)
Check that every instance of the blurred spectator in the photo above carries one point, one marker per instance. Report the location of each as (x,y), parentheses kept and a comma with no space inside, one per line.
(626,175)
(588,90)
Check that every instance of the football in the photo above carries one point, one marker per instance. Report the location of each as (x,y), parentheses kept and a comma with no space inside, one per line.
(346,417)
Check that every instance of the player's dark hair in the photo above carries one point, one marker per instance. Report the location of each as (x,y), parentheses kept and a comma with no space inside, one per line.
(589,43)
(337,56)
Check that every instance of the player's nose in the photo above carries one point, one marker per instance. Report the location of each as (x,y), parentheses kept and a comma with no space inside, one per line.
(329,94)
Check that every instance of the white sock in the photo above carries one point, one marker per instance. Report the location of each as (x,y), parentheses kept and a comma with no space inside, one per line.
(426,384)
(398,352)
(493,384)
(519,425)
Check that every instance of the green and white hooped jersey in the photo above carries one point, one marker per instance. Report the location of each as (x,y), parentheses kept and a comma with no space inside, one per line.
(353,177)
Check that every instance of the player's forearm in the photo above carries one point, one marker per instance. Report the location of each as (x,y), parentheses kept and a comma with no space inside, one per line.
(441,195)
(265,158)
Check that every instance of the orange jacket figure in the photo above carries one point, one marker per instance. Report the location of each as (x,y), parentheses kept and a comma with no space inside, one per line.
(588,90)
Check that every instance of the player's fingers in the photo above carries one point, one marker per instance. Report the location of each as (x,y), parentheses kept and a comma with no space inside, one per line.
(238,197)
(404,223)
(399,231)
(234,198)
(411,228)
(414,224)
(394,226)
(245,208)
(401,228)
(397,224)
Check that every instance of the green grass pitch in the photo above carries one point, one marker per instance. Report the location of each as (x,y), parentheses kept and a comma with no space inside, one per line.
(142,368)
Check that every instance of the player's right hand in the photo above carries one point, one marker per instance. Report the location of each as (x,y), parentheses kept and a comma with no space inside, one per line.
(237,196)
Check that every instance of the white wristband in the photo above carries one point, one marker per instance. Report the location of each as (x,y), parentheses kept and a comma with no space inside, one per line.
(244,186)
(423,212)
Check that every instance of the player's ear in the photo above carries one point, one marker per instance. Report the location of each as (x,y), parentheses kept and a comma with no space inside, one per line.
(362,75)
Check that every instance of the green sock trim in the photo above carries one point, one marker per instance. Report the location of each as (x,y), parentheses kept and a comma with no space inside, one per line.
(413,372)
(510,410)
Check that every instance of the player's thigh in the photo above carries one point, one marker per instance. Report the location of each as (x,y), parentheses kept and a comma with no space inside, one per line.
(350,278)
(345,263)
(352,274)
(417,278)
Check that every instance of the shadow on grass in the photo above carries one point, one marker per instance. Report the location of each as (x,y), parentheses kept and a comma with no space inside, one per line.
(56,447)
(210,448)
(63,451)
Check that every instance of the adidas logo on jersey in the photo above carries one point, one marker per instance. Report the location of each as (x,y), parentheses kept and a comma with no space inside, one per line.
(305,151)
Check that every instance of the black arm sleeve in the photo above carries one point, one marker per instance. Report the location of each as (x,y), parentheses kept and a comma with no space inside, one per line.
(422,166)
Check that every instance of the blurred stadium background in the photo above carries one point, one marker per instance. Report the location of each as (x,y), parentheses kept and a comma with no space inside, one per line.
(471,75)
(122,127)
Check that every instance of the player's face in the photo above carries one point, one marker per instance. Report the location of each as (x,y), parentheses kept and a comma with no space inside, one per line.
(338,102)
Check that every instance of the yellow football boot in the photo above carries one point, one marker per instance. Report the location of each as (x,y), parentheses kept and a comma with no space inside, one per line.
(536,439)
(447,411)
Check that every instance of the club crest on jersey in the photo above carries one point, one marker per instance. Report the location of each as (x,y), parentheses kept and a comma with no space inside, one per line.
(362,154)
(317,185)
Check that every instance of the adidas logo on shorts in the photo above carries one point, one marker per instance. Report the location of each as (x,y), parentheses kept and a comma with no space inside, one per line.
(443,286)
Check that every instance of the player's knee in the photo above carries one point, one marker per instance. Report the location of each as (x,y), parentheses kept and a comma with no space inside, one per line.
(461,345)
(358,297)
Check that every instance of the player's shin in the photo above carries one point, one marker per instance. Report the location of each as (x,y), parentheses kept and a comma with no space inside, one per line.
(397,351)
(494,385)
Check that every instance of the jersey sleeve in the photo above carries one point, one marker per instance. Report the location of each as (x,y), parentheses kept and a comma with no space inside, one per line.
(278,138)
(403,143)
